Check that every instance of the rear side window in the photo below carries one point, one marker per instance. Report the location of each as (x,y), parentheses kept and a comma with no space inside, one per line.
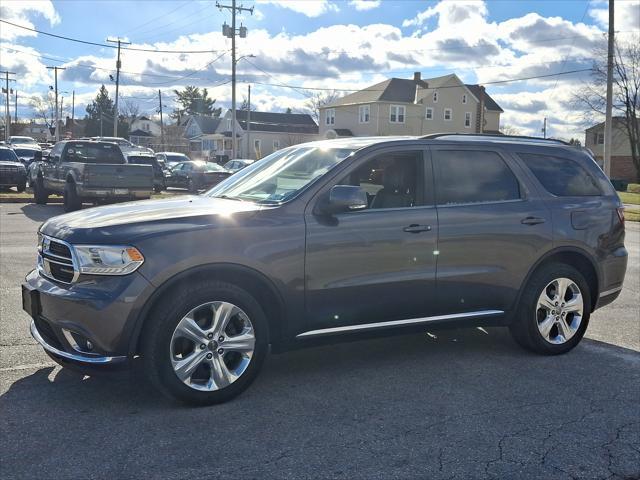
(465,176)
(562,177)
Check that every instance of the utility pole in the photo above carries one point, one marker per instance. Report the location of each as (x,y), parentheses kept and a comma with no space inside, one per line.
(118,65)
(607,121)
(249,121)
(7,116)
(544,128)
(15,110)
(61,119)
(55,73)
(161,122)
(231,33)
(73,106)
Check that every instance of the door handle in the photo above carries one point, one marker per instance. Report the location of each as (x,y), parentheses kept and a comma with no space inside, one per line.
(415,228)
(532,220)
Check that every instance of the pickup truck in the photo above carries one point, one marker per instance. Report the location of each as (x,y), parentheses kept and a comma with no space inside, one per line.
(89,171)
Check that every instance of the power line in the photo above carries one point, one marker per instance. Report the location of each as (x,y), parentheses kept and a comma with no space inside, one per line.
(105,45)
(136,29)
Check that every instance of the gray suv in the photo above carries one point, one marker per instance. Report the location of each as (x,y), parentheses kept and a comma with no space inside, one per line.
(326,241)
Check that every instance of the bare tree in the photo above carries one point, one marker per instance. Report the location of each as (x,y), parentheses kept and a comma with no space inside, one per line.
(591,98)
(130,110)
(44,107)
(510,130)
(319,100)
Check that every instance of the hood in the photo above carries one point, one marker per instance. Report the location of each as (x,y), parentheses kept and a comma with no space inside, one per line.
(9,163)
(124,222)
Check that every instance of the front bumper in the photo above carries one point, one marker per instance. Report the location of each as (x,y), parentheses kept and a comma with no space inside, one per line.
(88,323)
(10,179)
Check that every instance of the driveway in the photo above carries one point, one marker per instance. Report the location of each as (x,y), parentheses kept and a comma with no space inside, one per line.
(441,405)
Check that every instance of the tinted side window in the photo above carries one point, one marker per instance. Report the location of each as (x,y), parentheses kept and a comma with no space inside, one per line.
(562,177)
(465,176)
(393,180)
(93,153)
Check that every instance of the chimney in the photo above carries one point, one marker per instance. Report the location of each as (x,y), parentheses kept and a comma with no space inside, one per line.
(417,76)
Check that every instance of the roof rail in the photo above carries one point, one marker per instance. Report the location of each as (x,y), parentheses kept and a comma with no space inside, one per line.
(434,136)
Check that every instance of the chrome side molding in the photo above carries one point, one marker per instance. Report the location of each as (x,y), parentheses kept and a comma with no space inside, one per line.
(397,323)
(609,292)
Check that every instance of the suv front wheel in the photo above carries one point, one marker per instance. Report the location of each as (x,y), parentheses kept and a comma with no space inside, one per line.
(554,310)
(206,345)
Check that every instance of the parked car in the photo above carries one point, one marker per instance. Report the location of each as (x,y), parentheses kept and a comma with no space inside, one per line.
(195,175)
(21,140)
(27,154)
(238,164)
(12,172)
(143,158)
(304,247)
(171,159)
(89,171)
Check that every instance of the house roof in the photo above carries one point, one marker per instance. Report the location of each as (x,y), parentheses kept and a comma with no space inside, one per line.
(616,121)
(278,122)
(140,133)
(403,90)
(207,124)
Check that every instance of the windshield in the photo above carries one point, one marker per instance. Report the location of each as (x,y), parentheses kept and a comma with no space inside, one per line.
(25,152)
(7,155)
(214,167)
(141,160)
(177,158)
(22,140)
(280,176)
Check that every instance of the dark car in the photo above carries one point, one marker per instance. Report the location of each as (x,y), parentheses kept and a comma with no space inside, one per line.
(142,158)
(195,175)
(238,164)
(307,245)
(12,172)
(171,159)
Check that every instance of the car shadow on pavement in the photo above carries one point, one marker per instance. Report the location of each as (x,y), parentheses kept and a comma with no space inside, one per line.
(41,213)
(431,405)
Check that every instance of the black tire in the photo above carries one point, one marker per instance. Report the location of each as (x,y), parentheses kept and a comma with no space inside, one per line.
(40,195)
(524,326)
(71,200)
(21,187)
(157,188)
(191,186)
(162,321)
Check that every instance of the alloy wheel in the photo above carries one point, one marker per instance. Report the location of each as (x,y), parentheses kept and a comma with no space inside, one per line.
(212,346)
(559,311)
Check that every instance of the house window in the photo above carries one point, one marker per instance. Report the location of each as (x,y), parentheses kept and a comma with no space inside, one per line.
(330,116)
(599,137)
(464,98)
(396,114)
(228,124)
(467,120)
(276,145)
(429,114)
(448,114)
(363,114)
(227,144)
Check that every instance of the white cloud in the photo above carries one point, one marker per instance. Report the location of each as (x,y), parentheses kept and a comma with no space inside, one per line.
(450,13)
(310,8)
(18,12)
(365,4)
(627,15)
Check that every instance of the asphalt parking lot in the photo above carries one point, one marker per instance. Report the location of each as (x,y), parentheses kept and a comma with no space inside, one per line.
(450,404)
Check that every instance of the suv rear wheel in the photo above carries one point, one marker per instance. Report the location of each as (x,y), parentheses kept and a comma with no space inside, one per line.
(207,345)
(554,310)
(40,194)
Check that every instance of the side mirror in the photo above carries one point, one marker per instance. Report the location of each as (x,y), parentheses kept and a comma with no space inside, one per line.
(345,198)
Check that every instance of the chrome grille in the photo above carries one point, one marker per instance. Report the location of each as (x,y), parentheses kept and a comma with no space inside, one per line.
(56,260)
(8,169)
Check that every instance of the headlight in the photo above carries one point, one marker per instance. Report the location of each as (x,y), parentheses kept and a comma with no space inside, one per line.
(107,259)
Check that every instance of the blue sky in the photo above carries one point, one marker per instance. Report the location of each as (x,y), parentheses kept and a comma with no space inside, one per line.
(315,44)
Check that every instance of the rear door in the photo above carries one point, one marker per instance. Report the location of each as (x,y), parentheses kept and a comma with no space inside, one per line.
(492,228)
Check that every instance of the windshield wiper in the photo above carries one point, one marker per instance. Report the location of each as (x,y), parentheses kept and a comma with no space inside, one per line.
(227,197)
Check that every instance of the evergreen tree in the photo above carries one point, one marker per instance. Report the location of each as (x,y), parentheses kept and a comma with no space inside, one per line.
(100,114)
(194,102)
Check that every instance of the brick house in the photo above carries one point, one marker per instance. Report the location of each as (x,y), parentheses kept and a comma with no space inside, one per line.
(622,167)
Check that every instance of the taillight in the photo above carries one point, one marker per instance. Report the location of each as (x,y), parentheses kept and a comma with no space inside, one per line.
(620,211)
